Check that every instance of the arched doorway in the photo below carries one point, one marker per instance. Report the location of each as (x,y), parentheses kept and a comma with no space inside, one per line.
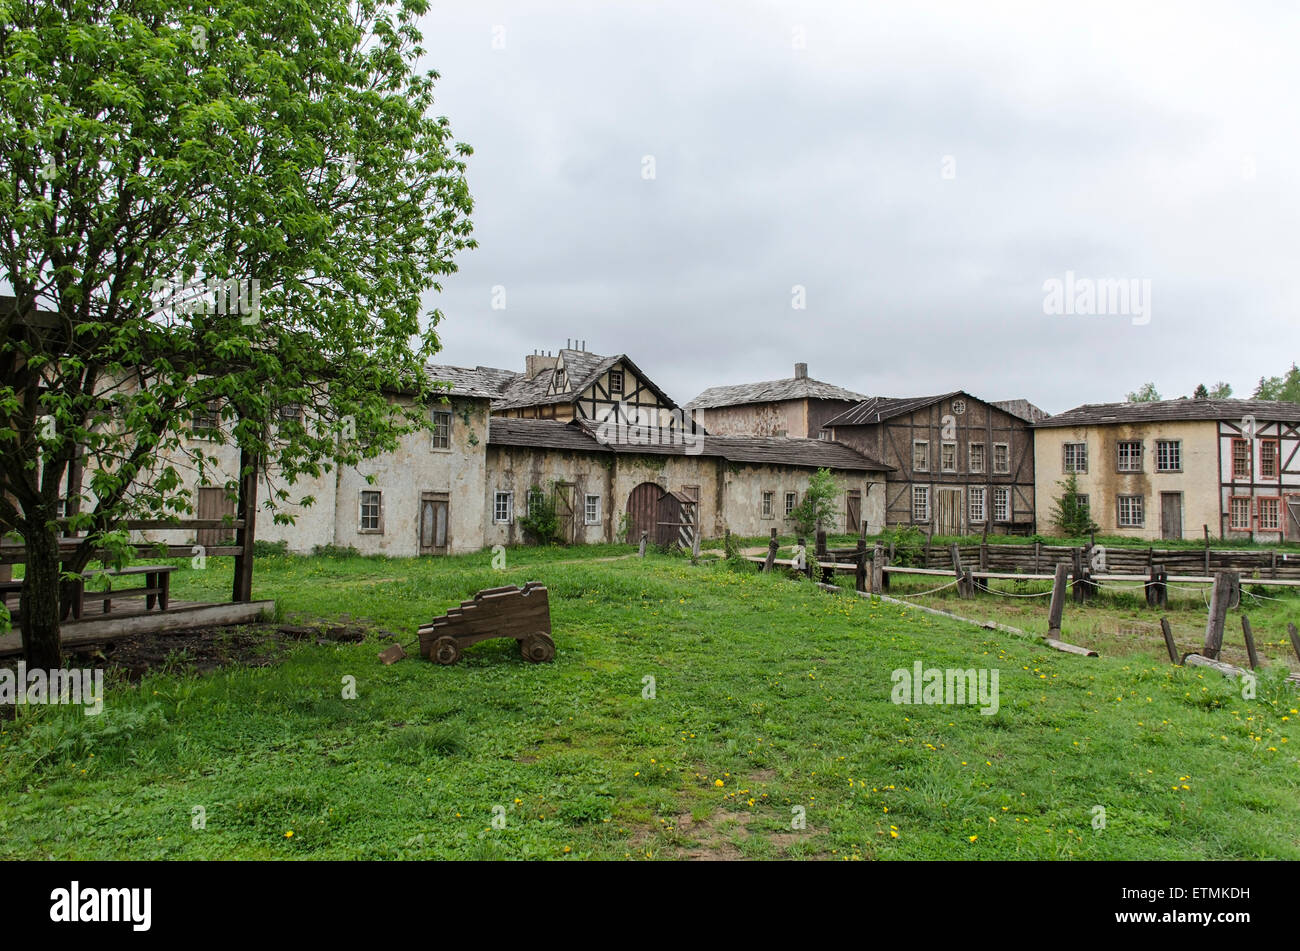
(642,511)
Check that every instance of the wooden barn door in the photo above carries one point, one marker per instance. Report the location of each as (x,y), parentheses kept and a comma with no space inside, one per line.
(643,511)
(1171,515)
(214,503)
(853,507)
(435,513)
(566,503)
(947,512)
(1292,514)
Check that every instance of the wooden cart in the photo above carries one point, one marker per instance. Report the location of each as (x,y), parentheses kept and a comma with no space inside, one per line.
(522,613)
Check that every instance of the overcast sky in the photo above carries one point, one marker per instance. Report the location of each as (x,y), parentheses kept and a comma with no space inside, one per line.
(921,169)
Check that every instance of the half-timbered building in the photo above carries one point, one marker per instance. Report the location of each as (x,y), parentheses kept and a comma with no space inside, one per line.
(1178,468)
(960,465)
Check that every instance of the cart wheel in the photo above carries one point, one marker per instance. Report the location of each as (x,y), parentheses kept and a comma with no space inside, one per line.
(537,648)
(445,650)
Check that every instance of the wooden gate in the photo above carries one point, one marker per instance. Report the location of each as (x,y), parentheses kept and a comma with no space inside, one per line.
(947,514)
(434,517)
(214,503)
(676,520)
(1292,526)
(853,508)
(643,510)
(1171,515)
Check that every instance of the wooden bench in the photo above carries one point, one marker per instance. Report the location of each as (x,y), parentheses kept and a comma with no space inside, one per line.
(157,587)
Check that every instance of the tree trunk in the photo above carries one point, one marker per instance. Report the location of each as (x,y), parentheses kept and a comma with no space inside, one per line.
(38,603)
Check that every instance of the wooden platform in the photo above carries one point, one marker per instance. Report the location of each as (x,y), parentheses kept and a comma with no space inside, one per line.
(130,617)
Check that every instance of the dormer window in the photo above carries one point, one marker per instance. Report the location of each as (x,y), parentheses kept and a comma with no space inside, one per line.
(615,382)
(559,379)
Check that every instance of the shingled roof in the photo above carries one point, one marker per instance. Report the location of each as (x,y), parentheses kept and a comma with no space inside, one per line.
(877,409)
(486,382)
(771,391)
(1102,414)
(760,450)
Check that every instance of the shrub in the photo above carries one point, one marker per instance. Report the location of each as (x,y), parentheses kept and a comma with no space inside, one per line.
(817,510)
(263,549)
(540,525)
(1070,516)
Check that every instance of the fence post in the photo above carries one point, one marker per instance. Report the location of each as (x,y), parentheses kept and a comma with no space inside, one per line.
(641,550)
(1058,600)
(878,568)
(1206,529)
(1170,646)
(826,574)
(771,553)
(802,544)
(1295,638)
(860,561)
(1250,642)
(1218,614)
(1080,587)
(956,567)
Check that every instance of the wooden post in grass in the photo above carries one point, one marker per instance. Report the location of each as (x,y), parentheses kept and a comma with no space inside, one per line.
(695,546)
(1058,600)
(1157,587)
(807,569)
(860,561)
(1080,577)
(771,553)
(1250,642)
(968,582)
(1234,593)
(1206,529)
(877,568)
(726,543)
(827,575)
(956,567)
(1218,614)
(1170,646)
(1295,638)
(1037,545)
(641,551)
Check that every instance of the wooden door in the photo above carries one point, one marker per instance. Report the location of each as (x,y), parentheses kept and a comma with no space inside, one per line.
(1171,515)
(435,517)
(1291,528)
(947,512)
(214,503)
(643,510)
(566,504)
(853,508)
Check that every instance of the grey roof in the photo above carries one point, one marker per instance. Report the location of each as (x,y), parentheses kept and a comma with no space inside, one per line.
(513,390)
(1023,409)
(760,450)
(1094,414)
(877,409)
(771,391)
(485,382)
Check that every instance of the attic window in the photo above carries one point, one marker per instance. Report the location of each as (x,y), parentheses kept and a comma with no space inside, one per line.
(958,407)
(559,379)
(615,381)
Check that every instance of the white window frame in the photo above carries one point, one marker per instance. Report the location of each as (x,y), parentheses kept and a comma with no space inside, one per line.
(791,501)
(1121,456)
(1276,526)
(433,433)
(1166,448)
(769,504)
(622,380)
(975,495)
(971,465)
(509,498)
(921,494)
(1006,470)
(926,444)
(943,452)
(1134,500)
(378,528)
(588,517)
(1001,504)
(1080,457)
(1233,507)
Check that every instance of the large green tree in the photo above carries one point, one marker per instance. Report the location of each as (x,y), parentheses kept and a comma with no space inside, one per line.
(285,150)
(1284,387)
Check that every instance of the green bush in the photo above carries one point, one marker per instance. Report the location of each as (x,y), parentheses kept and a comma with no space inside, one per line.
(335,551)
(540,526)
(263,549)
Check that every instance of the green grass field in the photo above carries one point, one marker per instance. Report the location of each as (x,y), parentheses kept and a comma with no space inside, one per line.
(771,700)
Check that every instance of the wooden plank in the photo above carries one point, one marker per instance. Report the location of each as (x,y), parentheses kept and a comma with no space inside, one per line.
(99,629)
(1228,670)
(1250,642)
(1170,646)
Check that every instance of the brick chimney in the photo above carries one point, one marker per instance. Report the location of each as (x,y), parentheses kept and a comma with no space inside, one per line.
(537,361)
(801,371)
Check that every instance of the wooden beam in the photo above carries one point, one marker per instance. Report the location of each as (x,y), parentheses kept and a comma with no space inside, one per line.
(1058,599)
(1170,646)
(1250,642)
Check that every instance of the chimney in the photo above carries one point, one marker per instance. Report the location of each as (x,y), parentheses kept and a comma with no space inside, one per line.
(536,362)
(801,371)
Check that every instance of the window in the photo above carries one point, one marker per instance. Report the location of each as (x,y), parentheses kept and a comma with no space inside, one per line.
(977,503)
(207,420)
(1076,457)
(591,511)
(769,499)
(977,457)
(920,456)
(372,512)
(503,505)
(920,503)
(958,407)
(1268,458)
(1082,501)
(1169,455)
(534,498)
(692,492)
(288,413)
(948,456)
(1001,458)
(1001,505)
(60,508)
(441,429)
(559,379)
(1129,455)
(615,382)
(1240,459)
(1239,513)
(1130,511)
(791,500)
(1269,510)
